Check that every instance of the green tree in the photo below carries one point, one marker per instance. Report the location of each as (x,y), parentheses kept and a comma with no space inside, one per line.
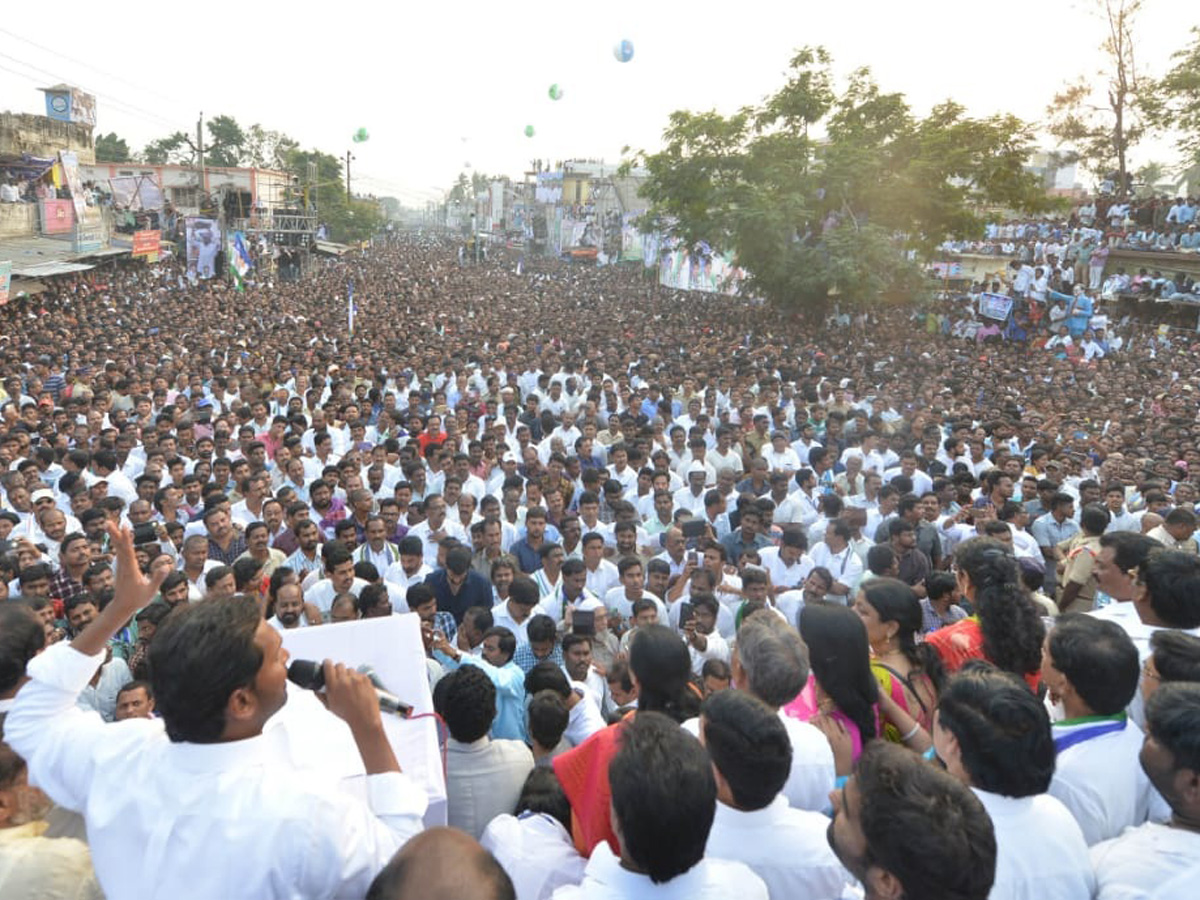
(1176,99)
(265,149)
(224,146)
(1103,114)
(347,222)
(110,148)
(841,215)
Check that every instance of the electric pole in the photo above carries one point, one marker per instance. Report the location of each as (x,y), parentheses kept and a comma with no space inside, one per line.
(348,158)
(200,153)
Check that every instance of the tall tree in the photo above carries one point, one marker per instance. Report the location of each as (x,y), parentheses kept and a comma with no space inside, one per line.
(224,146)
(1102,115)
(110,148)
(1177,99)
(841,216)
(265,149)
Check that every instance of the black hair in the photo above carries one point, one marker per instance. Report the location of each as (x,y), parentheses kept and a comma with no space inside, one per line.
(1094,518)
(541,628)
(840,658)
(1002,729)
(543,792)
(660,662)
(203,653)
(546,676)
(895,601)
(663,795)
(506,640)
(468,703)
(1098,658)
(1011,623)
(1173,720)
(22,637)
(749,746)
(1176,655)
(921,825)
(548,718)
(938,584)
(418,595)
(880,559)
(1172,579)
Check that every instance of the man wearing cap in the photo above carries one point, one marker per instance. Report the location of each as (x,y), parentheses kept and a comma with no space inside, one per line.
(41,501)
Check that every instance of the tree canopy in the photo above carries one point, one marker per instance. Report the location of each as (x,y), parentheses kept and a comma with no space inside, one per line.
(821,189)
(110,148)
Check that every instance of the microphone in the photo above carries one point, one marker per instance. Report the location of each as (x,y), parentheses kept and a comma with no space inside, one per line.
(310,675)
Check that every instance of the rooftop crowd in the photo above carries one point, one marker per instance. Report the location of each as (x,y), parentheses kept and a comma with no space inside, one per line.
(714,601)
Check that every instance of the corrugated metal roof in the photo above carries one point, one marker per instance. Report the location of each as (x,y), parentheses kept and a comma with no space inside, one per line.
(48,268)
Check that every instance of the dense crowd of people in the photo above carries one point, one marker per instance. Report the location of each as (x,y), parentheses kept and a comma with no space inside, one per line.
(714,602)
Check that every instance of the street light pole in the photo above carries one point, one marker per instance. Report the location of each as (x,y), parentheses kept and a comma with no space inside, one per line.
(348,158)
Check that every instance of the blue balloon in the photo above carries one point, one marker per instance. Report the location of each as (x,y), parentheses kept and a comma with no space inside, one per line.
(623,51)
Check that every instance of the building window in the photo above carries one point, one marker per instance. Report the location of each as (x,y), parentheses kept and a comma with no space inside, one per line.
(185,196)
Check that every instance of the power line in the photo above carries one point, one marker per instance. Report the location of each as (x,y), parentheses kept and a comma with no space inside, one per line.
(80,62)
(120,105)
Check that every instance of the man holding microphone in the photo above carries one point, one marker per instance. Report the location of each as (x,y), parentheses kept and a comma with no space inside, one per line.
(202,802)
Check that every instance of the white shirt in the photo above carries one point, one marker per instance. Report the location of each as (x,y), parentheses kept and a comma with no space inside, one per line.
(845,567)
(785,847)
(171,820)
(1101,781)
(584,718)
(709,879)
(536,852)
(1152,862)
(1040,851)
(322,593)
(813,775)
(430,548)
(603,579)
(783,575)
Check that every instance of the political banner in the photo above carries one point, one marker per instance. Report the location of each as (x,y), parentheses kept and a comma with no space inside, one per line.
(995,306)
(145,243)
(631,237)
(70,167)
(136,192)
(947,269)
(5,281)
(710,273)
(58,216)
(203,242)
(549,187)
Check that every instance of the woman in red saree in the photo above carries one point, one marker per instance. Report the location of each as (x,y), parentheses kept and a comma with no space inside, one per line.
(661,669)
(1006,628)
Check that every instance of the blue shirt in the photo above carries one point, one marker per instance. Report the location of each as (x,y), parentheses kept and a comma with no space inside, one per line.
(525,659)
(509,680)
(475,591)
(1047,532)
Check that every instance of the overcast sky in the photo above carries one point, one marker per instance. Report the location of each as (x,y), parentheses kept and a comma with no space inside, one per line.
(440,85)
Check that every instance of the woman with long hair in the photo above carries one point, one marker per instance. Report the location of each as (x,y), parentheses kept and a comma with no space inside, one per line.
(661,670)
(841,687)
(909,672)
(1006,628)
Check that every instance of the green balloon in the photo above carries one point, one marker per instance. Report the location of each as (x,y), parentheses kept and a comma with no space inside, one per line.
(556,92)
(529,131)
(361,135)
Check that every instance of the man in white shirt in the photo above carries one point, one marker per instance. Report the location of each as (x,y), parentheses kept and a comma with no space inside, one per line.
(662,783)
(751,757)
(1091,668)
(788,564)
(1040,850)
(835,554)
(1161,861)
(164,798)
(770,662)
(601,575)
